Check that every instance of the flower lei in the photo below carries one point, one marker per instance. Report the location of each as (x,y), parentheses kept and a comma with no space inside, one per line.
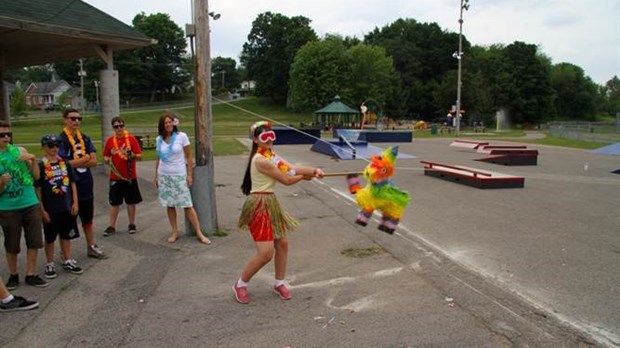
(276,160)
(117,150)
(71,139)
(16,168)
(164,155)
(57,188)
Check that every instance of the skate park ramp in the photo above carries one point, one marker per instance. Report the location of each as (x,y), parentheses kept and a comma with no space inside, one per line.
(374,136)
(613,149)
(349,150)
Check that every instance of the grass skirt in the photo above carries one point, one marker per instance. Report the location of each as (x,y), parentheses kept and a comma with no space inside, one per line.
(263,205)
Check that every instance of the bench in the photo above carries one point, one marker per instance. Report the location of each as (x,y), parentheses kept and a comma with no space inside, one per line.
(145,136)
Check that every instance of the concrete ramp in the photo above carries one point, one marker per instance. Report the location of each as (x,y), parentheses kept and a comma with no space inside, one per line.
(503,149)
(374,136)
(613,149)
(512,159)
(468,144)
(358,150)
(478,178)
(338,149)
(508,155)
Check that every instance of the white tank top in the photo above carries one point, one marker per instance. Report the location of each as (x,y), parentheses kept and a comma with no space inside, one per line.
(260,181)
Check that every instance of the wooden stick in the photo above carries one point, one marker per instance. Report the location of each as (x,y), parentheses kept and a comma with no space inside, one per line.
(341,173)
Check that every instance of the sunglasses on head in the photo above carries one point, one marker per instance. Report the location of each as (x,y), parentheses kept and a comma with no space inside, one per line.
(117,126)
(266,136)
(6,134)
(75,118)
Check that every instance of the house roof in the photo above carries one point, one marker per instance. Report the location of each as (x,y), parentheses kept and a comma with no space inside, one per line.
(46,87)
(337,108)
(37,32)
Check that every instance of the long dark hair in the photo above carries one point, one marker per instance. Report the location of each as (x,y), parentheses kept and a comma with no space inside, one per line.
(246,186)
(161,129)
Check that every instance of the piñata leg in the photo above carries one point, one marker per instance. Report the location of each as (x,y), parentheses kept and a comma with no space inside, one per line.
(363,217)
(388,224)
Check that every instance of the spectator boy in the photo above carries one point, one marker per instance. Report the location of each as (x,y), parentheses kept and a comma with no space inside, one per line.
(121,151)
(57,192)
(19,208)
(76,148)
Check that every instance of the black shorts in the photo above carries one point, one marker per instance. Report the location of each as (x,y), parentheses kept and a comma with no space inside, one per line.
(124,190)
(63,225)
(86,211)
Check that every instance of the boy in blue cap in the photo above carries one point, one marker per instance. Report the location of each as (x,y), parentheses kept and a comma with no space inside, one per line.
(57,192)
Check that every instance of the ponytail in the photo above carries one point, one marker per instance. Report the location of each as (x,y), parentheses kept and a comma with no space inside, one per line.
(246,186)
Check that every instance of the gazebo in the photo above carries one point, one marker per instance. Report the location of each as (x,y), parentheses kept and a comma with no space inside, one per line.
(337,115)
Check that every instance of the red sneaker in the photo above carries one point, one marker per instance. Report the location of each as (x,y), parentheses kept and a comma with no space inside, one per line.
(241,294)
(283,292)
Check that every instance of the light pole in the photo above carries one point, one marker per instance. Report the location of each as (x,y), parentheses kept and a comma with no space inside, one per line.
(81,73)
(96,82)
(459,56)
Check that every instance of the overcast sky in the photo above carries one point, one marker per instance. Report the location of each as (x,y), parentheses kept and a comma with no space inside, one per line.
(582,32)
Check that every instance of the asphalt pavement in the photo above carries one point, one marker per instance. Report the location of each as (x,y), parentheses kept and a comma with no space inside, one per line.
(411,290)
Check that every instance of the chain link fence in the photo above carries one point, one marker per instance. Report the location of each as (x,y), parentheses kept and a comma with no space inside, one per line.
(601,132)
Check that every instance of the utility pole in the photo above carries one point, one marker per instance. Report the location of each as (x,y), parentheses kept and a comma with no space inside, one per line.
(203,187)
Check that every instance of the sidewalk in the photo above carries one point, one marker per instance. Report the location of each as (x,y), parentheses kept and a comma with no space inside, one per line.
(150,293)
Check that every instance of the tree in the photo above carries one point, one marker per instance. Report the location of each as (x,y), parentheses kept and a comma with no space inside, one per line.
(422,55)
(317,74)
(323,69)
(611,96)
(532,99)
(70,72)
(28,75)
(575,94)
(371,74)
(156,68)
(225,75)
(268,54)
(18,105)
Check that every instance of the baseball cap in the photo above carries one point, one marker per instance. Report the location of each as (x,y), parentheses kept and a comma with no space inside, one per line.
(49,139)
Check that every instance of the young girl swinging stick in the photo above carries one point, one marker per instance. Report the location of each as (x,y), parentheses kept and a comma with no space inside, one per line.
(262,215)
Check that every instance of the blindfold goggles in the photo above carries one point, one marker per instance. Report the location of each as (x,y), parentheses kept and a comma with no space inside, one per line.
(266,136)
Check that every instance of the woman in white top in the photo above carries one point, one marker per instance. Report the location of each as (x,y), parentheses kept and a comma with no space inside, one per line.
(173,175)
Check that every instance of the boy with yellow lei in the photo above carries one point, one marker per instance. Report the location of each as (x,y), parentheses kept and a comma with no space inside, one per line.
(121,151)
(76,148)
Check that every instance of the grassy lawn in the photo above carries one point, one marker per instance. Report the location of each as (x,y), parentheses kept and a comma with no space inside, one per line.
(579,144)
(516,136)
(229,123)
(232,121)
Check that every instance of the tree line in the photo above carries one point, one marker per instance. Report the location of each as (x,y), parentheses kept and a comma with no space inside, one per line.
(406,67)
